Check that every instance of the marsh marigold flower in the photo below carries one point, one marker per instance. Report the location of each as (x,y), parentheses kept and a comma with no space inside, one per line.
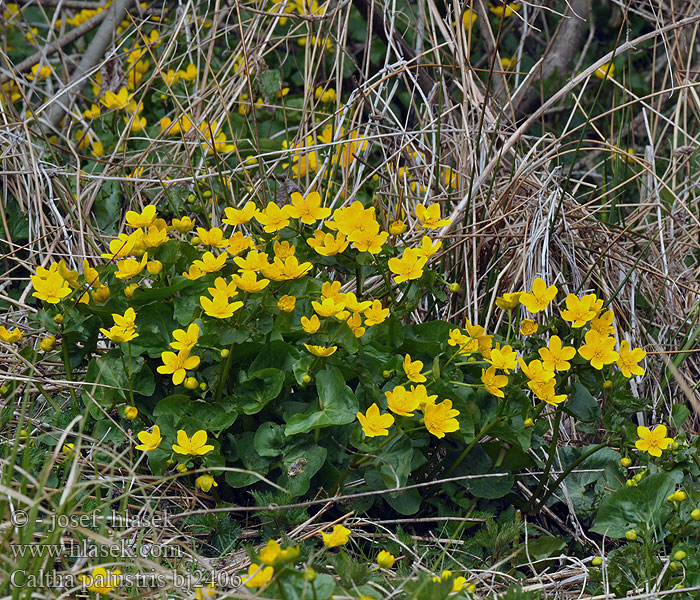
(287,303)
(493,382)
(374,423)
(628,360)
(219,306)
(10,337)
(599,350)
(401,402)
(273,218)
(508,301)
(440,418)
(385,559)
(149,440)
(258,576)
(555,357)
(311,325)
(580,310)
(413,369)
(338,537)
(528,327)
(101,581)
(430,216)
(653,441)
(539,297)
(52,288)
(178,364)
(240,216)
(185,340)
(321,351)
(375,314)
(196,446)
(205,482)
(409,266)
(307,208)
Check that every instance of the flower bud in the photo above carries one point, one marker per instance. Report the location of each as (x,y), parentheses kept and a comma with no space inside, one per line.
(131,412)
(154,267)
(625,461)
(454,287)
(680,555)
(309,574)
(191,383)
(306,378)
(695,514)
(58,318)
(631,534)
(529,422)
(597,561)
(225,353)
(48,343)
(607,385)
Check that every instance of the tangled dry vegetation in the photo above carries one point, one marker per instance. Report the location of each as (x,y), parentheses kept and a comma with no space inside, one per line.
(544,168)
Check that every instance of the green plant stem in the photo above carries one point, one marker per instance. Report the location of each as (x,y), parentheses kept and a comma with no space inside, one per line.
(482,434)
(66,365)
(564,475)
(550,460)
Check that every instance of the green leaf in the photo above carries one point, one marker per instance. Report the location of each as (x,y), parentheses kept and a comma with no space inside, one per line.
(582,405)
(490,486)
(679,414)
(257,389)
(543,547)
(339,405)
(630,507)
(300,464)
(270,439)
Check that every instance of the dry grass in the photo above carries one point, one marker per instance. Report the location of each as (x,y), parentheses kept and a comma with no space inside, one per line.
(531,197)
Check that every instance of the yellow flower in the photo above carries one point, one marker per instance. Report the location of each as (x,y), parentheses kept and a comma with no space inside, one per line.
(428,248)
(286,303)
(413,370)
(368,238)
(326,244)
(185,340)
(101,581)
(235,216)
(420,393)
(603,323)
(400,402)
(129,267)
(210,263)
(373,423)
(289,268)
(127,320)
(385,559)
(144,219)
(197,446)
(219,306)
(308,208)
(539,297)
(409,266)
(528,327)
(331,289)
(10,336)
(273,218)
(52,288)
(398,227)
(599,350)
(321,351)
(116,101)
(131,412)
(579,310)
(328,307)
(653,441)
(506,9)
(310,325)
(40,74)
(536,372)
(238,243)
(258,576)
(213,237)
(492,382)
(355,324)
(149,441)
(283,250)
(629,358)
(254,261)
(375,314)
(208,591)
(178,364)
(430,216)
(194,273)
(248,282)
(555,357)
(338,537)
(183,225)
(508,301)
(545,391)
(119,334)
(504,358)
(466,343)
(354,305)
(440,418)
(605,71)
(121,247)
(205,482)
